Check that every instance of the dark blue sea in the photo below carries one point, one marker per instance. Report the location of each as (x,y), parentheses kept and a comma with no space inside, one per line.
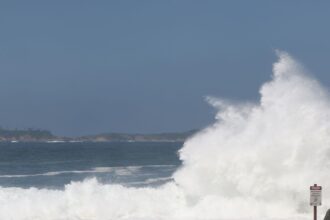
(53,165)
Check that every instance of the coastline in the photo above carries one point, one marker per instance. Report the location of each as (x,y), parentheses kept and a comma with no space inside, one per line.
(42,136)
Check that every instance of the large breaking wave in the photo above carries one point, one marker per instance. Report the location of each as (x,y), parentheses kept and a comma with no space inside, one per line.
(255,162)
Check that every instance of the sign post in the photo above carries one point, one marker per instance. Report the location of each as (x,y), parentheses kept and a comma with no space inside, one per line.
(316,198)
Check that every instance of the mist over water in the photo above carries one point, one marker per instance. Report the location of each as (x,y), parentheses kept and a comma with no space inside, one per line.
(256,161)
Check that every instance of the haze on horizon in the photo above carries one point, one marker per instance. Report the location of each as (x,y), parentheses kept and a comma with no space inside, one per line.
(85,67)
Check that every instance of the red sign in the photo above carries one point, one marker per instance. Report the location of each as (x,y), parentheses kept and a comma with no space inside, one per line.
(315,187)
(316,195)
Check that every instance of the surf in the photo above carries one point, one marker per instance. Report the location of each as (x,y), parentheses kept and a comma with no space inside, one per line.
(256,161)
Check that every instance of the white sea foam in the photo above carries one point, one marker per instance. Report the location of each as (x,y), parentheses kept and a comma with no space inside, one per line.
(120,171)
(255,162)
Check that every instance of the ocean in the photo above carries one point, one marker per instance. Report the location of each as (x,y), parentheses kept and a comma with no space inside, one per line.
(53,165)
(257,161)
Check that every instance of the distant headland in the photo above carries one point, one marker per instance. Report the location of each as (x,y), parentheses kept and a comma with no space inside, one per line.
(40,135)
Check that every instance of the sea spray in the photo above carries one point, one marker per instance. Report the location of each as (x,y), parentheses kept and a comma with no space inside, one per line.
(255,162)
(263,155)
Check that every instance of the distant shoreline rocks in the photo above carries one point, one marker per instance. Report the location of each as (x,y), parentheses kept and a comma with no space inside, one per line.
(38,135)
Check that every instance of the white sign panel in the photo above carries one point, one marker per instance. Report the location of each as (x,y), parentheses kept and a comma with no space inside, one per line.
(316,196)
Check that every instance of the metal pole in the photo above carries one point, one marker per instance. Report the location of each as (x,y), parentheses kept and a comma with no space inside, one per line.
(315,212)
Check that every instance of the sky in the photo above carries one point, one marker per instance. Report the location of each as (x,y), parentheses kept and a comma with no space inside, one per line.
(87,67)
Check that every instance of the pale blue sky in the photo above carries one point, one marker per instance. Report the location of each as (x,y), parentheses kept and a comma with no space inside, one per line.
(82,67)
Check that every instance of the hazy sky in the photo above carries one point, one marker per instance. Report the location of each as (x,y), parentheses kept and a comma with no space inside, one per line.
(83,67)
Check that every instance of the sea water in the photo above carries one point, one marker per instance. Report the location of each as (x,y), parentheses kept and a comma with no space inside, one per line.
(54,165)
(256,161)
